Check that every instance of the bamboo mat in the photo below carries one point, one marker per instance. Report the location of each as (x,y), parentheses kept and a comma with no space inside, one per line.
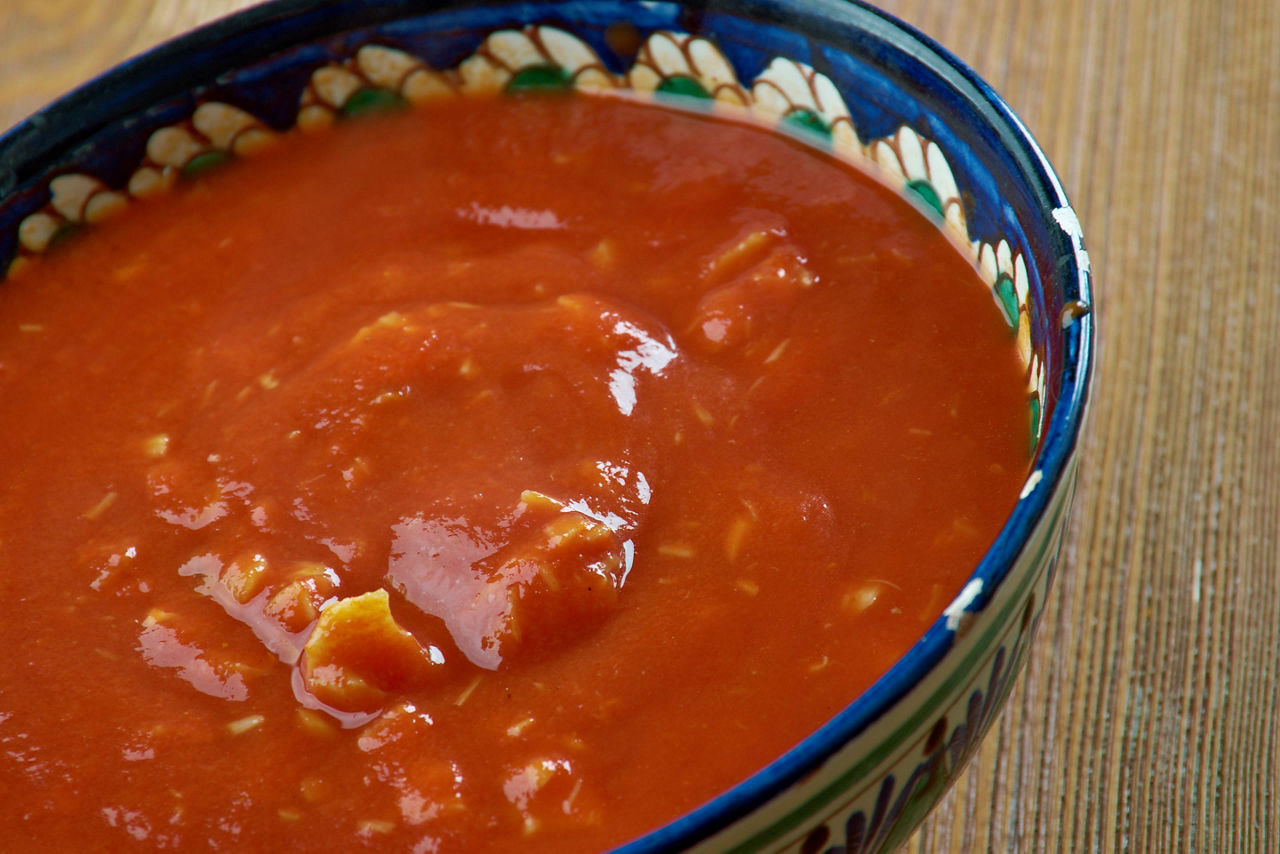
(1149,715)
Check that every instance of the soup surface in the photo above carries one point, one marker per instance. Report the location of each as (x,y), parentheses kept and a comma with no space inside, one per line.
(506,473)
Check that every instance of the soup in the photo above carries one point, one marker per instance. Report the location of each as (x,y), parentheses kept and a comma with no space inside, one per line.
(513,472)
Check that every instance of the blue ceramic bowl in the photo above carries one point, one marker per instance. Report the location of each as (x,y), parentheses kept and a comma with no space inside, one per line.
(857,81)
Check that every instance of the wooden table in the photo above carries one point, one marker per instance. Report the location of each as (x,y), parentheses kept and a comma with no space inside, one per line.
(1149,716)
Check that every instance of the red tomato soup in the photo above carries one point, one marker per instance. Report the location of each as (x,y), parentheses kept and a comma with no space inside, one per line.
(505,473)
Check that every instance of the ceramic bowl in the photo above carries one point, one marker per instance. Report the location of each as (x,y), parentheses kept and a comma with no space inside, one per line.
(859,82)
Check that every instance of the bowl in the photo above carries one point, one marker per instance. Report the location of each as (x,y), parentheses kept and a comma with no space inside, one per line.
(855,80)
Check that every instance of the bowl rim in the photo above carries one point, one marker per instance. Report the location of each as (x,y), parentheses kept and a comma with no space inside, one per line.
(41,143)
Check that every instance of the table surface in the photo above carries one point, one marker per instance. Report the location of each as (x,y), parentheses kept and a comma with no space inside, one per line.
(1148,717)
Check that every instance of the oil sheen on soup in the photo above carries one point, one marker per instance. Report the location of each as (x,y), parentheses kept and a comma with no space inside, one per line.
(514,472)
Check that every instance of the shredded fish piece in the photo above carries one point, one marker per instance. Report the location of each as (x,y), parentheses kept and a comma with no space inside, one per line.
(377,826)
(740,253)
(156,446)
(518,728)
(243,725)
(101,507)
(736,536)
(466,692)
(777,352)
(316,723)
(605,253)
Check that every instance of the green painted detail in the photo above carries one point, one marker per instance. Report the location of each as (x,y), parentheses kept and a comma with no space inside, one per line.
(1007,299)
(926,193)
(685,86)
(807,121)
(968,669)
(1034,406)
(65,232)
(205,162)
(540,78)
(918,804)
(365,102)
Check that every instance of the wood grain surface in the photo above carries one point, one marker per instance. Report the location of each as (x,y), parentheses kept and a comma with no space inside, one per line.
(1149,716)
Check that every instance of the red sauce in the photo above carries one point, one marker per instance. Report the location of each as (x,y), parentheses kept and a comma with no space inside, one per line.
(505,473)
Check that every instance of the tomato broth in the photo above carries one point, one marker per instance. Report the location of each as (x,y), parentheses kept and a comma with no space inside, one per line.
(511,472)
